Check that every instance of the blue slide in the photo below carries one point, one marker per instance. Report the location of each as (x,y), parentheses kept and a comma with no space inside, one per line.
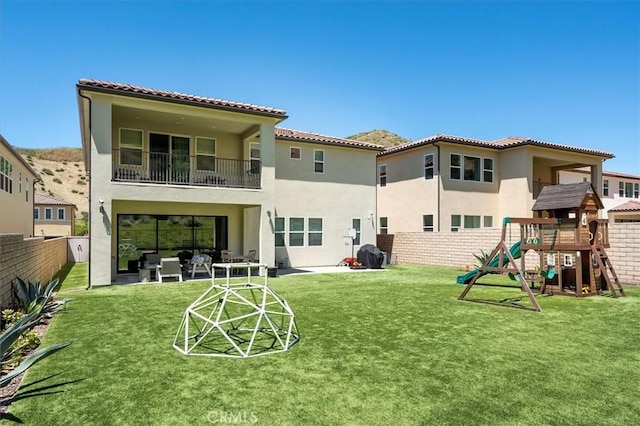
(515,252)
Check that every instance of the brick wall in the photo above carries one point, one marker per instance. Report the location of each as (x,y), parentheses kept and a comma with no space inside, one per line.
(457,248)
(29,259)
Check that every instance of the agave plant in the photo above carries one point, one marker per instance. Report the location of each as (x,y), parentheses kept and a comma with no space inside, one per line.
(29,297)
(11,335)
(481,258)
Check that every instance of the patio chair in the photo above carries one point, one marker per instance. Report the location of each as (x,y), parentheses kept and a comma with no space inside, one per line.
(169,267)
(227,256)
(251,256)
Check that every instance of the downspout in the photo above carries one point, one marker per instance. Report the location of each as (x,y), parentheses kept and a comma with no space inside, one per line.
(88,287)
(439,182)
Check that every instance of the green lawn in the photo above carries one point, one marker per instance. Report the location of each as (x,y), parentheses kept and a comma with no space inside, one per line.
(378,348)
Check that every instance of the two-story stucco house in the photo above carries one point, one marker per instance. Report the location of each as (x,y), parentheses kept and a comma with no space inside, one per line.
(172,172)
(53,217)
(620,192)
(17,179)
(446,183)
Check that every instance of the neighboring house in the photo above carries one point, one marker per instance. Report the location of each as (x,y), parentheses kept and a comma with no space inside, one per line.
(53,217)
(172,172)
(17,180)
(617,188)
(626,212)
(445,183)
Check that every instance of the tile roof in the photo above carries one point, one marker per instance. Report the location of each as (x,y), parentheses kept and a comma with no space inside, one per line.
(144,92)
(629,206)
(605,173)
(499,144)
(297,135)
(40,199)
(565,196)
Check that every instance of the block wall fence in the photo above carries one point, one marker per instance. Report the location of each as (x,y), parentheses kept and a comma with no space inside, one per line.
(29,259)
(456,249)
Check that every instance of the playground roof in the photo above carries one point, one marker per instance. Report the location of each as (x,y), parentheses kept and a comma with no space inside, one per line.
(567,196)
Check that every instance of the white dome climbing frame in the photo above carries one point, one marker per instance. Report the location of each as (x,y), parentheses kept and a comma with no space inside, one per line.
(237,319)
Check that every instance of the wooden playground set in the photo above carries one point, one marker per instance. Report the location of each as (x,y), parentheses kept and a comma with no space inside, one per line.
(570,241)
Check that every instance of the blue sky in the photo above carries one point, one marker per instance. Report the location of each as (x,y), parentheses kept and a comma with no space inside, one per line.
(565,72)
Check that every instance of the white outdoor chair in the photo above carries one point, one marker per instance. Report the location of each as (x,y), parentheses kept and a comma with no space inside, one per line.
(169,267)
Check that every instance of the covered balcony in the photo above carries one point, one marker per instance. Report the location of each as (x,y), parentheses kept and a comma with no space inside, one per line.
(180,169)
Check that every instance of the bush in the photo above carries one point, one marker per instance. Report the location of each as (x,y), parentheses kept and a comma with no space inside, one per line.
(74,191)
(59,170)
(57,180)
(81,182)
(47,172)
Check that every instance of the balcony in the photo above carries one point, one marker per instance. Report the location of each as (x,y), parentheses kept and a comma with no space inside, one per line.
(176,169)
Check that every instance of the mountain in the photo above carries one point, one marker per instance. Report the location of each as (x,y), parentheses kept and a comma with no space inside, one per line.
(62,172)
(380,137)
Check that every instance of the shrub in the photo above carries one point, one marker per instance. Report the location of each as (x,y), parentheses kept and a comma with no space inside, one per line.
(57,180)
(81,193)
(30,297)
(64,162)
(81,182)
(77,165)
(12,351)
(59,170)
(50,192)
(47,172)
(74,191)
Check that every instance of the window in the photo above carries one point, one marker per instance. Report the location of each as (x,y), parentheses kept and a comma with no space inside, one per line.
(355,224)
(487,170)
(47,213)
(488,221)
(428,166)
(382,174)
(454,170)
(472,168)
(636,190)
(567,260)
(279,231)
(318,161)
(296,231)
(605,188)
(206,154)
(383,226)
(295,153)
(131,147)
(315,231)
(427,223)
(621,189)
(6,179)
(254,157)
(456,221)
(36,213)
(628,189)
(61,214)
(471,221)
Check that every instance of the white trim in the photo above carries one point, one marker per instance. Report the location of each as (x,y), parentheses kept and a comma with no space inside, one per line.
(121,147)
(321,232)
(214,155)
(289,232)
(428,228)
(492,170)
(61,209)
(460,167)
(432,167)
(380,166)
(50,210)
(323,162)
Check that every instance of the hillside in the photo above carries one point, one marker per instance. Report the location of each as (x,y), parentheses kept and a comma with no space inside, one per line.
(380,137)
(62,172)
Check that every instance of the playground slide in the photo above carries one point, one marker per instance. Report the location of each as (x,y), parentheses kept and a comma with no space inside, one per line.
(515,252)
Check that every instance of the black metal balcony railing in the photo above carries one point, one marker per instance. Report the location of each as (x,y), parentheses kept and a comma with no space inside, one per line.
(160,168)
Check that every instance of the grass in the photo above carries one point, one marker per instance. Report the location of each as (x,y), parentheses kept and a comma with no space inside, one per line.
(389,347)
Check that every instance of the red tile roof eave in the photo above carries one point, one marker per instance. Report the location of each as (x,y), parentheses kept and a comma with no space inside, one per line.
(182,99)
(489,145)
(40,200)
(300,136)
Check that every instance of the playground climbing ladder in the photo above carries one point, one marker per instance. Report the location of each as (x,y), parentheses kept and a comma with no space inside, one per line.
(609,274)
